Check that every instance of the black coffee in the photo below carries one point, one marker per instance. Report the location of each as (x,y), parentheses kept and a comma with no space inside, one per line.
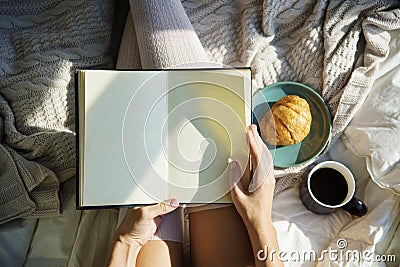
(328,186)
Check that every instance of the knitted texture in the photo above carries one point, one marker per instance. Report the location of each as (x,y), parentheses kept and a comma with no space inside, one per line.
(333,46)
(165,36)
(42,44)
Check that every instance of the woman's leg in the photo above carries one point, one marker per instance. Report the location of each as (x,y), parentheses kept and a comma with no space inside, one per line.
(161,253)
(218,237)
(165,248)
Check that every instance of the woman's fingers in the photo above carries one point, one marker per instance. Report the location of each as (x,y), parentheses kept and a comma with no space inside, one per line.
(262,159)
(254,150)
(235,179)
(262,151)
(161,208)
(258,138)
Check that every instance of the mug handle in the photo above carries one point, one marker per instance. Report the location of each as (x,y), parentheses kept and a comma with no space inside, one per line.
(355,207)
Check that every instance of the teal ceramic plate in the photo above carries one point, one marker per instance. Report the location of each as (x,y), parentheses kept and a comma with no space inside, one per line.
(320,132)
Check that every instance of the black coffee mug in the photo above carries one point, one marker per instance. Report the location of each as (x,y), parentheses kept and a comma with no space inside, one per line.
(328,186)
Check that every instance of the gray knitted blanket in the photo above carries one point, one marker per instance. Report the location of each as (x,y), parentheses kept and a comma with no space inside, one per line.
(335,47)
(42,43)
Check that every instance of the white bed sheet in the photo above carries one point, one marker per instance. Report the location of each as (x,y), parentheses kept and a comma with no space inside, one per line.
(374,132)
(300,230)
(78,237)
(367,155)
(73,239)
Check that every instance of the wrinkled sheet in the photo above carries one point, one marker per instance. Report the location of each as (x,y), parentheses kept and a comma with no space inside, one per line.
(82,238)
(75,238)
(300,230)
(374,132)
(369,147)
(366,154)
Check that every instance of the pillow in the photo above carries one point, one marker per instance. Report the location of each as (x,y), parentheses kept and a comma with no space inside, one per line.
(374,132)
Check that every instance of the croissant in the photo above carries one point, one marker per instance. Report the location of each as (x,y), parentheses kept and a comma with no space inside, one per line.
(288,121)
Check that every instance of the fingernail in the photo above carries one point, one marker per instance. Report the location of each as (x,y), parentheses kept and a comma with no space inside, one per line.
(254,128)
(250,132)
(251,188)
(233,165)
(174,203)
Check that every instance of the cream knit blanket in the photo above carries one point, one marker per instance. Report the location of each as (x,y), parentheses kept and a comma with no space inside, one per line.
(335,47)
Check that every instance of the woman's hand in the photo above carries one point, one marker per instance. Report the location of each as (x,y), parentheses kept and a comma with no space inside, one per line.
(138,226)
(254,203)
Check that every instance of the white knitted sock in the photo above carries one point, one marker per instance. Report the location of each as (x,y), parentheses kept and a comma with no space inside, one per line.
(165,35)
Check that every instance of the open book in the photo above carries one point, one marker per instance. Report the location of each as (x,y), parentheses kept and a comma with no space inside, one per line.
(147,136)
